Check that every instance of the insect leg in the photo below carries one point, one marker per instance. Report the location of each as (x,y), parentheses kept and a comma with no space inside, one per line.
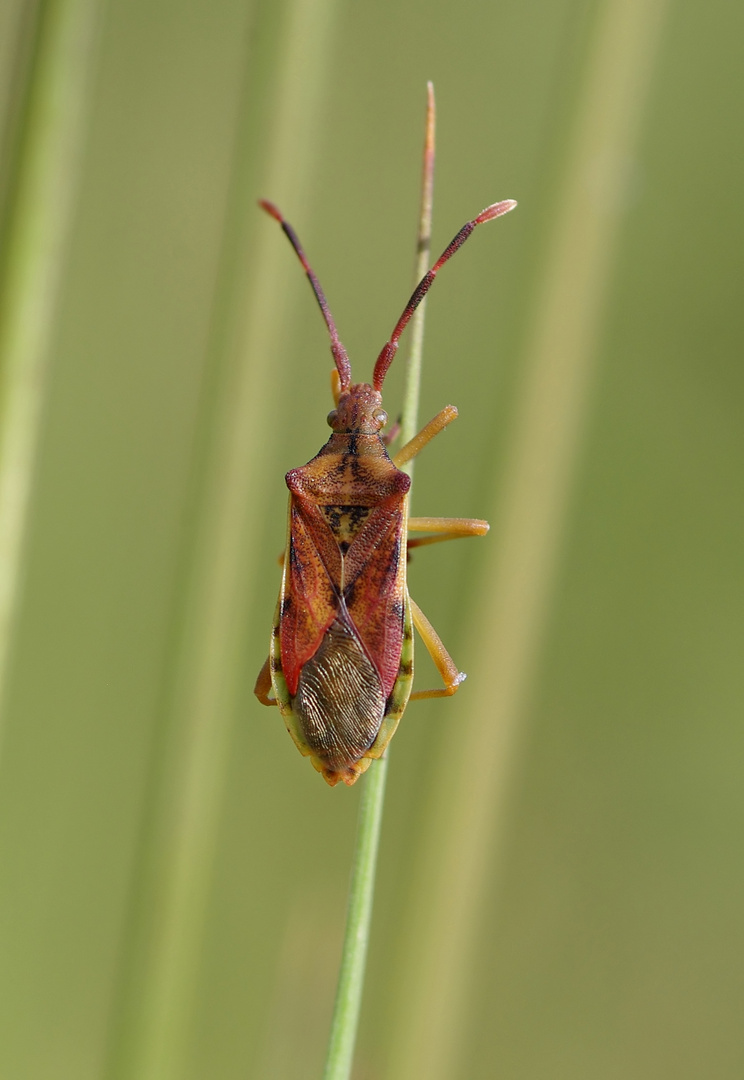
(445,529)
(446,667)
(335,386)
(427,433)
(392,434)
(263,684)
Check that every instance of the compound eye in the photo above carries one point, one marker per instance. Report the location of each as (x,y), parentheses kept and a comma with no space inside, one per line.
(332,417)
(381,417)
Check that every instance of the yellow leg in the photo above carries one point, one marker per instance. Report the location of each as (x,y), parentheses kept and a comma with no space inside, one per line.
(445,528)
(427,433)
(451,677)
(335,386)
(263,684)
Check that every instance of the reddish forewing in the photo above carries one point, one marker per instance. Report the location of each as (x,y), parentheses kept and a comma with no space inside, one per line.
(309,601)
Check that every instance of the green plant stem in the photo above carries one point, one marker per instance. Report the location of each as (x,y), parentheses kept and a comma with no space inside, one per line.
(361,891)
(358,920)
(41,214)
(409,417)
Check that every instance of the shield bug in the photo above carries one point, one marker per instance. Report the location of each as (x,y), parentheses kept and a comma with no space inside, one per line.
(341,657)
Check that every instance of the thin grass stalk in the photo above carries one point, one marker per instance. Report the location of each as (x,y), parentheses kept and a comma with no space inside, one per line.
(43,204)
(412,385)
(172,890)
(460,849)
(350,987)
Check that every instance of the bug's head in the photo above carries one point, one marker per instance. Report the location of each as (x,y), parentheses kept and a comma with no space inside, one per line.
(359,409)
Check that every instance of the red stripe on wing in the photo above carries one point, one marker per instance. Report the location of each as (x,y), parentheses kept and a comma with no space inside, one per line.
(309,600)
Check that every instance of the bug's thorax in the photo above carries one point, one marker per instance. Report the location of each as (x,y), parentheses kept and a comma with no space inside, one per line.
(354,466)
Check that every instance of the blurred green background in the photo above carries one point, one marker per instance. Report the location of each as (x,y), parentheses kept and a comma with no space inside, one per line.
(172,873)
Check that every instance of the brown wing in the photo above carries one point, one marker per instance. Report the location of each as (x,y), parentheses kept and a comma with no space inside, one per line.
(311,593)
(339,702)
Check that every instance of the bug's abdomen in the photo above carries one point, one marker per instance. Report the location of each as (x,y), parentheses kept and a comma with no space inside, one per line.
(339,700)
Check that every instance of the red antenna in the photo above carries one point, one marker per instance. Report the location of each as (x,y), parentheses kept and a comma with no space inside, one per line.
(340,356)
(385,359)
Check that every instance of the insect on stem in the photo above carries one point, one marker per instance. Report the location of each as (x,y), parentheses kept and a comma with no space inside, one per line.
(340,663)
